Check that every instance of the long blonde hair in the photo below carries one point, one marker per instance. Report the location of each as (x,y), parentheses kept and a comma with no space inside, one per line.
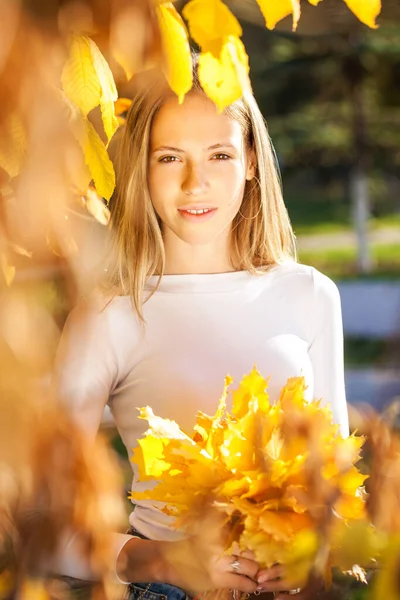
(262,235)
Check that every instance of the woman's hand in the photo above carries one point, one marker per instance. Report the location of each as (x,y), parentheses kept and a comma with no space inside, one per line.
(188,564)
(275,580)
(197,568)
(236,572)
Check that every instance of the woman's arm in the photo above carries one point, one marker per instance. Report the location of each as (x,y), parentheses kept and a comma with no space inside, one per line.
(86,367)
(85,372)
(326,349)
(193,565)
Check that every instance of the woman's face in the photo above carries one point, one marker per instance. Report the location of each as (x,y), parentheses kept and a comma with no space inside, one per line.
(198,165)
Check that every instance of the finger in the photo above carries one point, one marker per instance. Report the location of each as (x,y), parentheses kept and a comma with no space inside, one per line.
(245,566)
(274,572)
(236,551)
(247,554)
(240,582)
(277,585)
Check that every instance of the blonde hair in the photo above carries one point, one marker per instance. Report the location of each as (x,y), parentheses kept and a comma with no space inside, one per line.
(262,235)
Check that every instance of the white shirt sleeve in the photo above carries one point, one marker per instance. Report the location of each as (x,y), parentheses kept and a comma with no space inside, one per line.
(86,369)
(326,349)
(85,373)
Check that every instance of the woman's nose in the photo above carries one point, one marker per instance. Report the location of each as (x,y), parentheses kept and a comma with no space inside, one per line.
(195,182)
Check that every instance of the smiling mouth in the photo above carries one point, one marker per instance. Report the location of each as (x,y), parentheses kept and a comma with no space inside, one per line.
(196,211)
(197,214)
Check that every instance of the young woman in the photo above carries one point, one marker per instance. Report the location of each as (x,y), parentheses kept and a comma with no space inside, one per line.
(202,282)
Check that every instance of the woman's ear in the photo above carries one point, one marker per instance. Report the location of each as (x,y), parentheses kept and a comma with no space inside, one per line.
(251,165)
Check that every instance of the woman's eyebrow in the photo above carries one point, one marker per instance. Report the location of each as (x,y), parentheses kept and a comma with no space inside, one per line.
(221,145)
(213,147)
(168,148)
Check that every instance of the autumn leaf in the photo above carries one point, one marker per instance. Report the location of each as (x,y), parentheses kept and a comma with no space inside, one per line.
(121,106)
(219,78)
(79,77)
(162,428)
(98,161)
(365,10)
(210,22)
(276,10)
(109,92)
(176,49)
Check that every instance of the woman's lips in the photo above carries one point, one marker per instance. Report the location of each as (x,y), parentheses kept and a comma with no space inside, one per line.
(196,214)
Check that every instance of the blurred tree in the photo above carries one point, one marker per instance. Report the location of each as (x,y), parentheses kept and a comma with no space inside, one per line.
(332,105)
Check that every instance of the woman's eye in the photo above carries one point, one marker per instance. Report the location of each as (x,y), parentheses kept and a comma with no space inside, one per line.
(221,156)
(168,159)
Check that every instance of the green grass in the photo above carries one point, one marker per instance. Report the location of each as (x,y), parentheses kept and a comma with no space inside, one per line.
(386,221)
(321,227)
(341,263)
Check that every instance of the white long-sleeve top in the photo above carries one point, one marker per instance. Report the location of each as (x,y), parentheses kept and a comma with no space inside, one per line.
(198,329)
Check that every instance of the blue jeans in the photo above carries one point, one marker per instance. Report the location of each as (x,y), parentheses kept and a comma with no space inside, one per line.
(153,590)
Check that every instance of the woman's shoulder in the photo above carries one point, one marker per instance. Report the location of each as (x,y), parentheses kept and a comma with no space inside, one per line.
(304,278)
(104,316)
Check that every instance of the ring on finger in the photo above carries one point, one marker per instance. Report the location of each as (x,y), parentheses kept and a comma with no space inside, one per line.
(294,591)
(235,564)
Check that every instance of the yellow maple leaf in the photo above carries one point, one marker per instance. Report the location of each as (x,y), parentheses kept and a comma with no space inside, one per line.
(234,487)
(276,10)
(300,559)
(238,448)
(98,161)
(251,386)
(366,10)
(292,395)
(175,42)
(163,428)
(148,456)
(283,525)
(109,92)
(79,78)
(221,78)
(218,425)
(350,506)
(356,541)
(210,21)
(274,447)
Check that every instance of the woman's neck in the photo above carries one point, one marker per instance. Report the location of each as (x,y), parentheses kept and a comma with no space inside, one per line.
(182,258)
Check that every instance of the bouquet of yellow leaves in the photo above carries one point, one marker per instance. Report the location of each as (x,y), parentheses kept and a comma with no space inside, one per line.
(280,476)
